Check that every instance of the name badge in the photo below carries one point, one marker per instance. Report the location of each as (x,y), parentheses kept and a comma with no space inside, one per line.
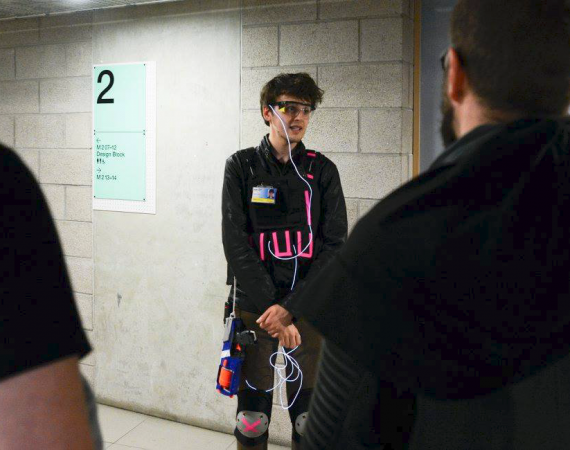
(264,194)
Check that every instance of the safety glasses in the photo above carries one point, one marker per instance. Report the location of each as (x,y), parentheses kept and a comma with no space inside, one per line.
(293,109)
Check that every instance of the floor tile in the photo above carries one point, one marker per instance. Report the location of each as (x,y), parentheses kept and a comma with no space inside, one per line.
(158,434)
(233,446)
(115,422)
(123,447)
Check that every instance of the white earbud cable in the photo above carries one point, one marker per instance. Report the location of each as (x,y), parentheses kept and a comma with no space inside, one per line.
(289,360)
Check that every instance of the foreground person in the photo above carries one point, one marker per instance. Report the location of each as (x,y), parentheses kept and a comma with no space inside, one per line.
(452,293)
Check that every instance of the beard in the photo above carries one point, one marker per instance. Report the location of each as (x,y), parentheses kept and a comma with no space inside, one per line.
(448,117)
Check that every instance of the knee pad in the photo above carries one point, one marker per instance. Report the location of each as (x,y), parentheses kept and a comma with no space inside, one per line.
(300,422)
(298,413)
(253,417)
(252,424)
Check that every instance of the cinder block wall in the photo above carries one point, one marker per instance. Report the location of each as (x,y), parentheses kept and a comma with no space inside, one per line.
(45,114)
(361,54)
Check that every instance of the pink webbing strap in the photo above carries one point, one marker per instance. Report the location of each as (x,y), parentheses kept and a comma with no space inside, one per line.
(262,246)
(301,246)
(288,252)
(311,155)
(308,207)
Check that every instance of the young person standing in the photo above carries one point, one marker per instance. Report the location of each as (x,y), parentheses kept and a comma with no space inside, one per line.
(283,218)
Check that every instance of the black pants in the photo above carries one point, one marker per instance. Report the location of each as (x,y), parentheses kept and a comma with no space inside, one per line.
(353,409)
(259,373)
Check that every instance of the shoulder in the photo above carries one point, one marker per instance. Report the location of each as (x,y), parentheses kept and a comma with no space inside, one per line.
(11,166)
(319,157)
(241,156)
(25,215)
(18,185)
(324,165)
(26,220)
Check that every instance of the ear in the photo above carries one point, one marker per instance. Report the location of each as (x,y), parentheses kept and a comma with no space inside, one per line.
(456,78)
(267,113)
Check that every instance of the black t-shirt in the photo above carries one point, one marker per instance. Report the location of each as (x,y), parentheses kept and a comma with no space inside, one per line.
(39,322)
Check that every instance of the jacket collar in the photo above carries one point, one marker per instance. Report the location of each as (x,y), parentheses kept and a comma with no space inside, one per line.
(464,145)
(266,149)
(506,135)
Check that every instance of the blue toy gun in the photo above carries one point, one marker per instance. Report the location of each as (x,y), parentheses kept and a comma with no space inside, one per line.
(236,338)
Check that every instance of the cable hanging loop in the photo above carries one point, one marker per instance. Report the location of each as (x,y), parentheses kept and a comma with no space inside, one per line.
(296,374)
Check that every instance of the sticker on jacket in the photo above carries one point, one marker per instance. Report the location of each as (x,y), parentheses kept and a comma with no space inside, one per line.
(264,194)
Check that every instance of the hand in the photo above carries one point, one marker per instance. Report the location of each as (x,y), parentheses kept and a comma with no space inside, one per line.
(289,337)
(275,319)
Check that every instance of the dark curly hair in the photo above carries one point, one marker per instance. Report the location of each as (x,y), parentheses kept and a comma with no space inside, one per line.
(515,53)
(299,85)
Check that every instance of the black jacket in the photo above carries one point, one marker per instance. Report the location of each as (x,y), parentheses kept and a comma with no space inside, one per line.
(455,288)
(251,232)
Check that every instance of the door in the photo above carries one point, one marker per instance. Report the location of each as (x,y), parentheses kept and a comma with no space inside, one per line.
(435,17)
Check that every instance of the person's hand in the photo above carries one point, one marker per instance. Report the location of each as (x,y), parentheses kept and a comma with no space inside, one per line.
(275,319)
(289,337)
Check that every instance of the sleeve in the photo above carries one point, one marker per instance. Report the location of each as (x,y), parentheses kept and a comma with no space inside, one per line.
(385,301)
(244,262)
(361,303)
(333,231)
(39,322)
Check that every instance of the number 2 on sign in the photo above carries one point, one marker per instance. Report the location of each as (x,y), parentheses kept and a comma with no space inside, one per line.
(100,99)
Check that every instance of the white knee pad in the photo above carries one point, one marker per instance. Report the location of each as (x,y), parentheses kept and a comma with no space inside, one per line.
(252,424)
(300,422)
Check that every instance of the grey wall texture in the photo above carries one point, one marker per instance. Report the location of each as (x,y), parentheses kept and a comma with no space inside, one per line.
(159,279)
(151,288)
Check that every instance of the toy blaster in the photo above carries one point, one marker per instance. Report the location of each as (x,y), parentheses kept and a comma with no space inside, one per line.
(236,338)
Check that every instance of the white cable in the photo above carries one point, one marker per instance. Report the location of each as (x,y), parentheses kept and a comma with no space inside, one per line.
(310,197)
(234,299)
(281,371)
(296,265)
(287,355)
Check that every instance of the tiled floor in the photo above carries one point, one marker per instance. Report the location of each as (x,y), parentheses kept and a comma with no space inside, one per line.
(126,430)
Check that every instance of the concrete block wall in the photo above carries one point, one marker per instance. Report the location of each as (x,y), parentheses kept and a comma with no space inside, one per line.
(361,53)
(45,115)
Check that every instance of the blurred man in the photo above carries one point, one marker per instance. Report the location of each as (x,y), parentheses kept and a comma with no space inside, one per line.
(447,313)
(42,395)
